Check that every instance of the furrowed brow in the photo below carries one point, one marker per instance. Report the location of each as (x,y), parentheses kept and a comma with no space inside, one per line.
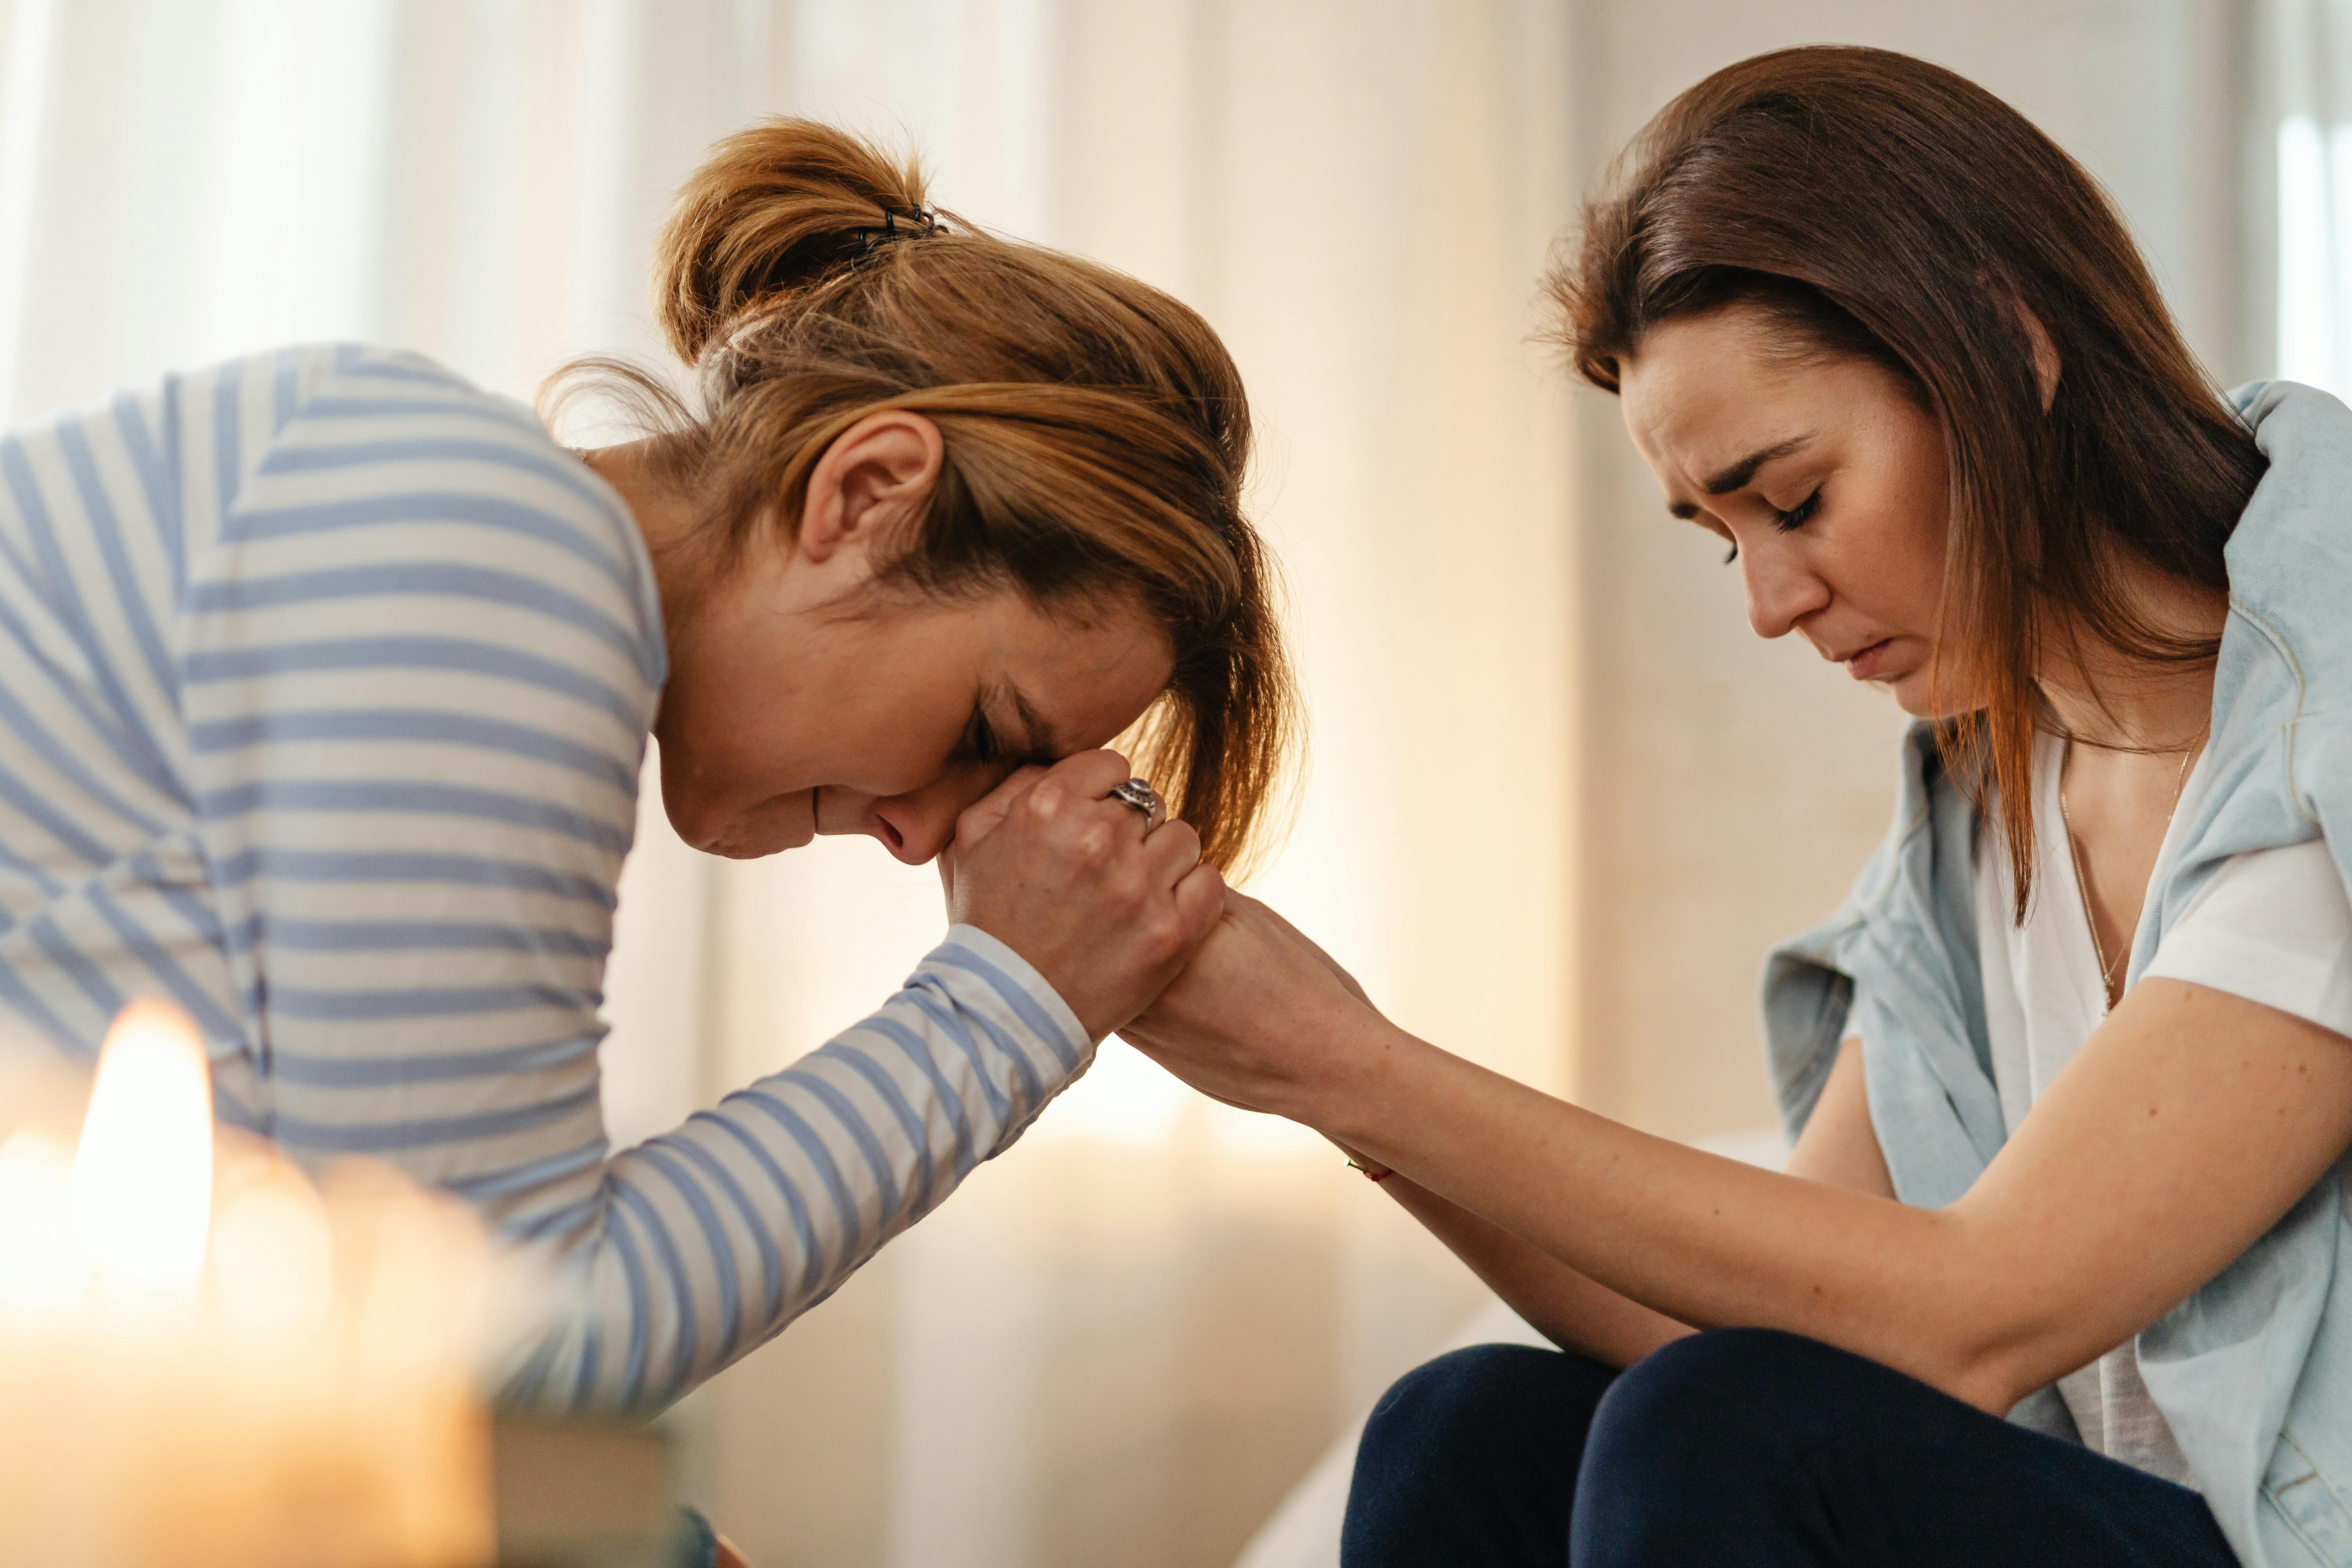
(1740,472)
(1737,475)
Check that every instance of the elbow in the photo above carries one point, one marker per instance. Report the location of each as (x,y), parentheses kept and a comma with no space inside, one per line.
(1990,1361)
(1990,1341)
(1982,1378)
(1989,1380)
(1981,1357)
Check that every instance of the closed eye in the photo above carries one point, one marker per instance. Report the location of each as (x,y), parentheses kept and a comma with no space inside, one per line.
(1796,516)
(1788,522)
(980,743)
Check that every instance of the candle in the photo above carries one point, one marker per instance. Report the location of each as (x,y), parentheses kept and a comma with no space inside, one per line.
(209,1362)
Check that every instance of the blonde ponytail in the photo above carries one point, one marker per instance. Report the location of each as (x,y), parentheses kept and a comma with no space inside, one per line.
(772,211)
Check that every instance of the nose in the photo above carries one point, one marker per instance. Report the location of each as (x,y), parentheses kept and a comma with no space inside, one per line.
(1781,589)
(917,826)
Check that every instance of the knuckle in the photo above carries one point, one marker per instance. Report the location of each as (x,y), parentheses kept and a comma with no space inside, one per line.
(1161,941)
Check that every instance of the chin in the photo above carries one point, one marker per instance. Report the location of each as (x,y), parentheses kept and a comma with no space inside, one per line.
(753,846)
(742,849)
(754,837)
(1914,693)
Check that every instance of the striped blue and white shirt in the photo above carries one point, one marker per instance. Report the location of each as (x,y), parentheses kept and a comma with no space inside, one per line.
(324,682)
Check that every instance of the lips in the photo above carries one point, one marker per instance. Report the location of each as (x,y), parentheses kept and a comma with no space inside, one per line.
(1864,663)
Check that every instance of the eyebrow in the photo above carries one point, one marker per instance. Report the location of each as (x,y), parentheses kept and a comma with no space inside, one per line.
(1737,475)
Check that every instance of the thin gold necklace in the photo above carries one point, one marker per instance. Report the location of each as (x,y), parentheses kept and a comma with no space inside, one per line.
(2082,878)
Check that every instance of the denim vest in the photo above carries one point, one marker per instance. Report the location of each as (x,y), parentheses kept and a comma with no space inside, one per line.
(2254,1371)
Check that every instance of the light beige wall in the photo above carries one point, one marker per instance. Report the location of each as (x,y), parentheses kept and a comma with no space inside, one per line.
(1734,787)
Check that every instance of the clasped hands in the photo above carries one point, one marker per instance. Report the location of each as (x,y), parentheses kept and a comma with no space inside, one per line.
(1140,938)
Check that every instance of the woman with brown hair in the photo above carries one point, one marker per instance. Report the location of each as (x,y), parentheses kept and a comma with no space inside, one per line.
(2069,1076)
(327,678)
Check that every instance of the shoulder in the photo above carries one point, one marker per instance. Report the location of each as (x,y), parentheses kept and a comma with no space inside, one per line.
(376,474)
(2273,926)
(2289,555)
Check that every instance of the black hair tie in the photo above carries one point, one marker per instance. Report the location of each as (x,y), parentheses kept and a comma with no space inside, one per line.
(921,224)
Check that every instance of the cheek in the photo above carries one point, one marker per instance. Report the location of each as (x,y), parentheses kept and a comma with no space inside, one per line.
(743,751)
(895,744)
(1926,501)
(1888,563)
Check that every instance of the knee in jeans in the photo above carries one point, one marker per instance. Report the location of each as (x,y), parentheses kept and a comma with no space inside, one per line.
(1457,1407)
(1687,1399)
(1456,1395)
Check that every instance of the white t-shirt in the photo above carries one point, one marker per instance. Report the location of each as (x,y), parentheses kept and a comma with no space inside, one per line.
(2273,926)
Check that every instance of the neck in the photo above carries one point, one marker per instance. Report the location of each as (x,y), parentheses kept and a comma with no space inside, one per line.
(666,520)
(2107,697)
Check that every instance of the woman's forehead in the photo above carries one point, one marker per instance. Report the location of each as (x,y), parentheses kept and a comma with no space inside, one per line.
(1708,399)
(1082,679)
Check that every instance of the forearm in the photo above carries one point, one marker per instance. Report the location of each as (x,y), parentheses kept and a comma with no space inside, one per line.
(1567,1308)
(2044,1264)
(2188,1123)
(697,1246)
(1691,1237)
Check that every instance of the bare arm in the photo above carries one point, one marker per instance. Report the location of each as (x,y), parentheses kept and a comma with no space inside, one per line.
(1839,1149)
(2191,1115)
(1567,1308)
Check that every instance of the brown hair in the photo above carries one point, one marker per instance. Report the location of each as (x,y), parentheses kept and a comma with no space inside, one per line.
(1873,204)
(1096,432)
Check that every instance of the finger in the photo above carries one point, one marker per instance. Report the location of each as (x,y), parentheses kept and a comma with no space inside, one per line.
(1200,899)
(1172,851)
(1090,775)
(1081,784)
(982,816)
(1135,824)
(1147,823)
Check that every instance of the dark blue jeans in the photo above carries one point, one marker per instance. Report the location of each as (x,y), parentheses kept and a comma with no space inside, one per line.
(1741,1448)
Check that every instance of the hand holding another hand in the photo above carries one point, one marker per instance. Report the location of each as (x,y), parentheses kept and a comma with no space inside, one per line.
(1106,905)
(1262,1018)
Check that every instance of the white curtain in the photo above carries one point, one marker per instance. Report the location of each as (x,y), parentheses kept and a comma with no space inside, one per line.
(1123,1341)
(2304,98)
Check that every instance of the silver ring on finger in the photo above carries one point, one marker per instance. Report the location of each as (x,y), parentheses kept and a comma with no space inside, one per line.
(1139,794)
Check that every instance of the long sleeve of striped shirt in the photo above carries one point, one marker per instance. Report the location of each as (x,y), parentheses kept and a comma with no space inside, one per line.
(324,683)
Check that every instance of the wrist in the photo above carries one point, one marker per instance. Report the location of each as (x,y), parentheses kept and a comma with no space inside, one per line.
(1052,1010)
(1343,1101)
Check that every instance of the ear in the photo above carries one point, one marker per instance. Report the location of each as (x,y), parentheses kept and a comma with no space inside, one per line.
(873,476)
(2045,354)
(2046,367)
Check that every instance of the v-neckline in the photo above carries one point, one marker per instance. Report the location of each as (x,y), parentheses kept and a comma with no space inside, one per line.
(2058,864)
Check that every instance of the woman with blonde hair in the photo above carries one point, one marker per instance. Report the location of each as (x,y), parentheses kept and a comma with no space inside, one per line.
(2060,1271)
(327,678)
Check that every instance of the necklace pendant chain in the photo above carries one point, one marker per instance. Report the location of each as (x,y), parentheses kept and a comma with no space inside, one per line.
(2082,873)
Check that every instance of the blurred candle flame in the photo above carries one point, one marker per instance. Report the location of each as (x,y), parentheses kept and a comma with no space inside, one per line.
(43,1268)
(273,1263)
(143,1177)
